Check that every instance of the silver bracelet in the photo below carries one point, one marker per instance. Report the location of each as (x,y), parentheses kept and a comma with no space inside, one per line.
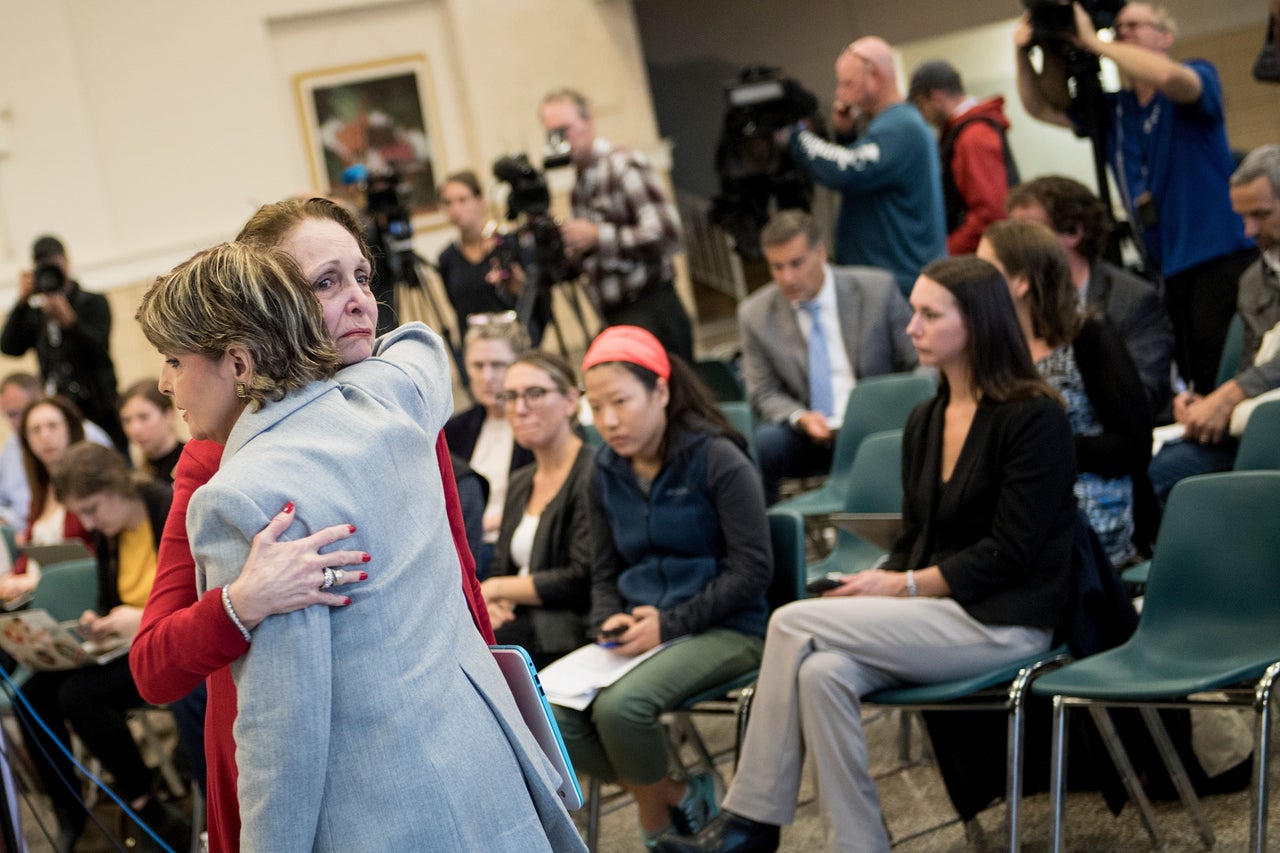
(235,620)
(911,584)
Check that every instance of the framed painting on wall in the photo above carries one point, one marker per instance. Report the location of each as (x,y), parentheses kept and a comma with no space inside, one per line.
(379,115)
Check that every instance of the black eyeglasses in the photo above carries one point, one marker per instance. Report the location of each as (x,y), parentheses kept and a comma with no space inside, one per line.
(533,397)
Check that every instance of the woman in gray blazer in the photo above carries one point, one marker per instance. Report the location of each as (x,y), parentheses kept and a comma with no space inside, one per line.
(539,591)
(392,730)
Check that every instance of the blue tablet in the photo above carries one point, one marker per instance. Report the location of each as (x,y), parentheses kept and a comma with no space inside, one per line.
(522,678)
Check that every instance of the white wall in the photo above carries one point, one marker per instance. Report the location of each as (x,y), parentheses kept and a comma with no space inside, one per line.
(142,130)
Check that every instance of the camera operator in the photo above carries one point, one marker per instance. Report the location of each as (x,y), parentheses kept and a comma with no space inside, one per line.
(624,229)
(69,329)
(1166,142)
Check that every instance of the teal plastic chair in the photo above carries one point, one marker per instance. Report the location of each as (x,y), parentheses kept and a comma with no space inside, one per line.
(739,414)
(786,534)
(10,542)
(1002,689)
(1259,451)
(875,485)
(720,378)
(875,404)
(66,590)
(1232,349)
(1209,623)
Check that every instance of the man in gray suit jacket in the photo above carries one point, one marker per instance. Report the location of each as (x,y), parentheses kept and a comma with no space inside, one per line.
(862,321)
(1131,304)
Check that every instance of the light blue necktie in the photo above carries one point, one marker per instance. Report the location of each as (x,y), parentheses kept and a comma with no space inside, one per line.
(820,395)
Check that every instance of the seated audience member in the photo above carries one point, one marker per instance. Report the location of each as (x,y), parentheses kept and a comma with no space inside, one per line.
(1131,304)
(977,166)
(1085,361)
(681,552)
(482,435)
(126,516)
(17,390)
(807,338)
(49,426)
(483,270)
(979,576)
(148,420)
(539,591)
(1207,445)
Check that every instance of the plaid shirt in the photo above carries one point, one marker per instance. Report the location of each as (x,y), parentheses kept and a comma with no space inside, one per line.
(639,225)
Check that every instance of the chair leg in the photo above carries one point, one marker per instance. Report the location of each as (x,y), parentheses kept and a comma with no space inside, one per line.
(1057,774)
(1178,774)
(1261,759)
(593,815)
(1014,758)
(904,736)
(745,699)
(1120,759)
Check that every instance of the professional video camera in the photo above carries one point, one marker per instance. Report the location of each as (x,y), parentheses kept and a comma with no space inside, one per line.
(753,168)
(530,202)
(1053,22)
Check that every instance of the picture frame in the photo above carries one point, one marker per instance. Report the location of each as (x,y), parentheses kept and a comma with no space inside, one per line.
(381,114)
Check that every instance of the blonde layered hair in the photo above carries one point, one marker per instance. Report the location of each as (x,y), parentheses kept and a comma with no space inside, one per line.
(235,294)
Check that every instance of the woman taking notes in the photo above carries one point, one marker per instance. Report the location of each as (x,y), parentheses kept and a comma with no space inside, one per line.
(682,553)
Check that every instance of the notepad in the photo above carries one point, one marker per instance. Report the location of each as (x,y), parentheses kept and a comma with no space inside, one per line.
(575,679)
(35,638)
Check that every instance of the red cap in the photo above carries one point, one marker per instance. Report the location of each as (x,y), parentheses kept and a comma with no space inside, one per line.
(631,344)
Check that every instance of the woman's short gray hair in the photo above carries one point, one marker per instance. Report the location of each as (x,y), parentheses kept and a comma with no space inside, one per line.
(237,294)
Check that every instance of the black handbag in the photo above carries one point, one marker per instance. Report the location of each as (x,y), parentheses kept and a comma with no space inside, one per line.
(1267,68)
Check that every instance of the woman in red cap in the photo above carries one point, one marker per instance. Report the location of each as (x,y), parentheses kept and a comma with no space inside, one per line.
(681,553)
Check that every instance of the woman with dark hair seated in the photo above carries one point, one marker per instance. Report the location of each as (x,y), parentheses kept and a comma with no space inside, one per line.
(682,552)
(539,591)
(977,579)
(126,515)
(148,418)
(1085,359)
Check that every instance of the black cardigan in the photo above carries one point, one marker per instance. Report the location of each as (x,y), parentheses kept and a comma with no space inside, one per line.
(157,496)
(1001,530)
(560,562)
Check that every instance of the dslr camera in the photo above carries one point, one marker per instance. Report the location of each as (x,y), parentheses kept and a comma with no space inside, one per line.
(49,278)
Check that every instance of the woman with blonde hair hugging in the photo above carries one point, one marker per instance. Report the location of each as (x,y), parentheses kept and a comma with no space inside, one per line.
(396,701)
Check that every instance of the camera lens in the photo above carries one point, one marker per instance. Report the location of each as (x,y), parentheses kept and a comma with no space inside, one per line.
(49,278)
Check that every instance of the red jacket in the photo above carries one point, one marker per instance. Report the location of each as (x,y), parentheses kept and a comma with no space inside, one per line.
(977,167)
(185,638)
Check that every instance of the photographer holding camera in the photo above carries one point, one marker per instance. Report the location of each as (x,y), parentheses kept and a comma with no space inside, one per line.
(1166,141)
(624,229)
(69,329)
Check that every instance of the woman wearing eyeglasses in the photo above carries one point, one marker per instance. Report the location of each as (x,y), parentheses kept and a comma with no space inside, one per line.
(540,589)
(482,435)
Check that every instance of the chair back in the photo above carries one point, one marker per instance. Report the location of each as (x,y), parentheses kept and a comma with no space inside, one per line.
(1232,349)
(67,589)
(720,379)
(1260,445)
(591,435)
(786,534)
(875,485)
(1214,579)
(739,414)
(876,404)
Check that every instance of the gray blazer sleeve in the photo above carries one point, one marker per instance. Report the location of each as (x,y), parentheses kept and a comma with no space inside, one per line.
(774,357)
(1260,314)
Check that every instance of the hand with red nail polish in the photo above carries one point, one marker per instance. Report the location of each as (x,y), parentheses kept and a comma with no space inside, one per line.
(283,576)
